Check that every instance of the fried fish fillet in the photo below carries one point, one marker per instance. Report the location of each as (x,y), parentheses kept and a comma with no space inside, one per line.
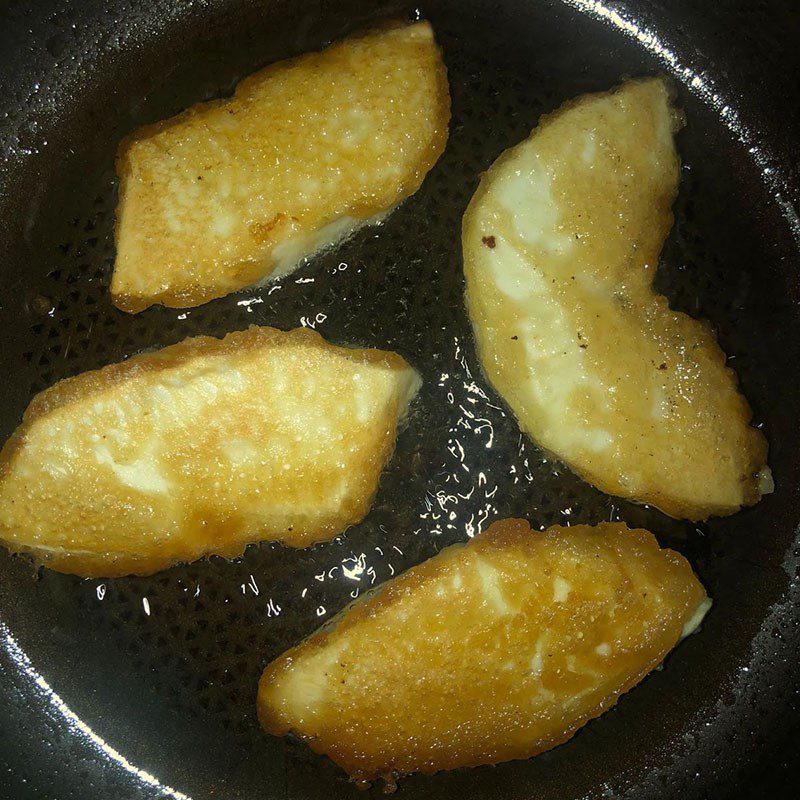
(202,447)
(494,650)
(305,152)
(561,242)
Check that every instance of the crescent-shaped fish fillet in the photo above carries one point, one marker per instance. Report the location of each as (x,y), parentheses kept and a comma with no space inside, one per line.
(561,242)
(306,151)
(200,448)
(494,650)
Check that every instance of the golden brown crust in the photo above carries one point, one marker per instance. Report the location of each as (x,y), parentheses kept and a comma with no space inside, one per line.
(494,650)
(332,138)
(636,398)
(202,447)
(113,376)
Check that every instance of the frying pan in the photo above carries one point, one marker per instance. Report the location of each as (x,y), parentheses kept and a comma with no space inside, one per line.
(144,687)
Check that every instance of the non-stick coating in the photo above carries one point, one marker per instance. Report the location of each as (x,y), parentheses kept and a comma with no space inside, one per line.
(106,695)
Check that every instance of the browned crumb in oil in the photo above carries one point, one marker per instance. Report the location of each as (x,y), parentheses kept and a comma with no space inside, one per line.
(41,305)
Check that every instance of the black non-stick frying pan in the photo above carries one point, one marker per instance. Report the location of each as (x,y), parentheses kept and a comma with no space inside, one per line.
(144,687)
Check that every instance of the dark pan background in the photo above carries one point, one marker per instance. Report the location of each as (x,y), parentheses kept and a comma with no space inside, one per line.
(165,699)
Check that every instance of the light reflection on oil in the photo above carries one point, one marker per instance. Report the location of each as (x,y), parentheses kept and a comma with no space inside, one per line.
(462,497)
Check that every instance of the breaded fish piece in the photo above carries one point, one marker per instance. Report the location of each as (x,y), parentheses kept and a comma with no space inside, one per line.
(305,152)
(494,650)
(200,448)
(561,243)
